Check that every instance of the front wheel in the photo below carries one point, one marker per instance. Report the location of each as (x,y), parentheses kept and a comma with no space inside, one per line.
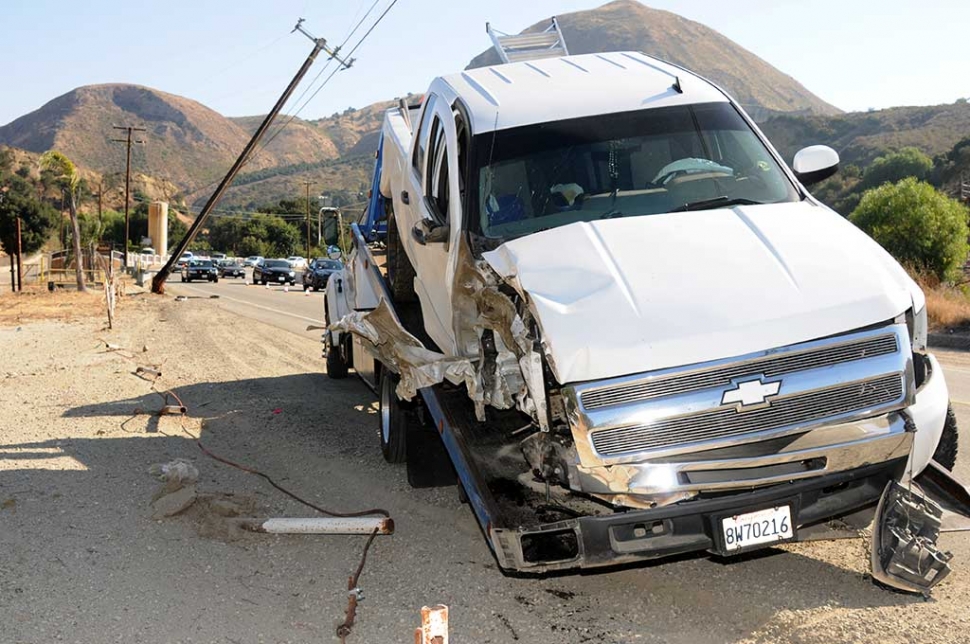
(393,420)
(946,450)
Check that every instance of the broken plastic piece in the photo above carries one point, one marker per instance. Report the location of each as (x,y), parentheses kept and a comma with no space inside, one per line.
(904,552)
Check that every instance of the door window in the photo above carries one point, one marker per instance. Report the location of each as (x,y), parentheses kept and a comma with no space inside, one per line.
(436,183)
(421,149)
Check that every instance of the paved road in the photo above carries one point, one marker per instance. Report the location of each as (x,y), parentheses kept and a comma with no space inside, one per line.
(291,309)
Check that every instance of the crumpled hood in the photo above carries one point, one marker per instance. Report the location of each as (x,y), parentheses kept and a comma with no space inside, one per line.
(629,295)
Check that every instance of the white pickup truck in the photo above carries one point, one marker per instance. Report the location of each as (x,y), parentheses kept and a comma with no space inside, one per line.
(634,330)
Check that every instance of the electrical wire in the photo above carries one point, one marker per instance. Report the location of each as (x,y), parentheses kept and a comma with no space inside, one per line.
(327,80)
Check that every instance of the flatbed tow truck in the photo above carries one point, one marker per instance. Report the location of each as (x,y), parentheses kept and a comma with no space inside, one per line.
(699,425)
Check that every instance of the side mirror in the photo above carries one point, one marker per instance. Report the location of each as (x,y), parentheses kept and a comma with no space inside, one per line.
(815,163)
(428,232)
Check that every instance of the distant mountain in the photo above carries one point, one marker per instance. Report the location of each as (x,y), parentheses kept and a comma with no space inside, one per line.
(185,143)
(626,25)
(859,137)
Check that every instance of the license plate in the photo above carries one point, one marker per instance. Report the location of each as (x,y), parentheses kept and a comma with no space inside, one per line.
(282,279)
(756,528)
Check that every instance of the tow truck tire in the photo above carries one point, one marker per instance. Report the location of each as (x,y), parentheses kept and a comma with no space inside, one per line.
(337,367)
(946,450)
(400,273)
(393,420)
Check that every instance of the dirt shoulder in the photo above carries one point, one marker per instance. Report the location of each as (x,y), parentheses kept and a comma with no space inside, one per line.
(83,560)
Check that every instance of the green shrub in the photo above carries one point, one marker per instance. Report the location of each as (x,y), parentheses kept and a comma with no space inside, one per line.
(918,225)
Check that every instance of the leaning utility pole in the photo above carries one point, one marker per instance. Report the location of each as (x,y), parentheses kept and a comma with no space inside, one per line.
(319,44)
(308,184)
(128,142)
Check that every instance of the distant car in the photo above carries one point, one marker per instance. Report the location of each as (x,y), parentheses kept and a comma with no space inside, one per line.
(318,273)
(184,259)
(297,262)
(252,260)
(147,250)
(217,257)
(200,269)
(274,271)
(231,268)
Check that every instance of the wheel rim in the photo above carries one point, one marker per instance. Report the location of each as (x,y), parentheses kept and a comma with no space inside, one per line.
(385,410)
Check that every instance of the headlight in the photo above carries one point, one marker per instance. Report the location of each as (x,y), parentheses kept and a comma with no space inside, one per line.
(291,273)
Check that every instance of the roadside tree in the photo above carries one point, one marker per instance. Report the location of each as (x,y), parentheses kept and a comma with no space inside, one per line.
(918,225)
(68,180)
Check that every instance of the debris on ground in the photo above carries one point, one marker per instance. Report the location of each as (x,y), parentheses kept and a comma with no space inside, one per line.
(178,491)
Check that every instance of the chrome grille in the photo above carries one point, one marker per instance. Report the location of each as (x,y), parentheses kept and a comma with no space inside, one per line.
(726,422)
(771,365)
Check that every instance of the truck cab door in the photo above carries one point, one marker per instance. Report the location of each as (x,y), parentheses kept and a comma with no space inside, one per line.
(435,219)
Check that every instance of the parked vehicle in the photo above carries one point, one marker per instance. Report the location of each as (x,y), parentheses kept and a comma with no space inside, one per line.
(200,269)
(231,268)
(252,260)
(297,262)
(274,271)
(648,337)
(318,272)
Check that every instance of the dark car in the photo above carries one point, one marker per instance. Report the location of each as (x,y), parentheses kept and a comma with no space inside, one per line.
(200,269)
(318,273)
(230,268)
(274,271)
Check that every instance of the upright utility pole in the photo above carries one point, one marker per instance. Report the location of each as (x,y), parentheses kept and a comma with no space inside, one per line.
(308,184)
(319,44)
(20,266)
(127,141)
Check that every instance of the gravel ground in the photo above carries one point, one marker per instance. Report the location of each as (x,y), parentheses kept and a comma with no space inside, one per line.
(83,560)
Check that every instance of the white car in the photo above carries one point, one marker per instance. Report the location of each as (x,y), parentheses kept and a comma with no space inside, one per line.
(297,262)
(252,260)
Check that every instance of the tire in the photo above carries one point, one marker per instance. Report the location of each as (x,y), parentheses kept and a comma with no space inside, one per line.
(337,367)
(263,282)
(392,420)
(946,450)
(400,273)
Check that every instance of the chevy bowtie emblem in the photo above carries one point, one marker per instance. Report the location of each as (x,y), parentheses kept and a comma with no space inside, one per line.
(750,393)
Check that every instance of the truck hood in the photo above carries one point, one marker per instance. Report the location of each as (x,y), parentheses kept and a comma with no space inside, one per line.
(629,295)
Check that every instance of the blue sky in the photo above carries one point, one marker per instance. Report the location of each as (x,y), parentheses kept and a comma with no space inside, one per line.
(236,56)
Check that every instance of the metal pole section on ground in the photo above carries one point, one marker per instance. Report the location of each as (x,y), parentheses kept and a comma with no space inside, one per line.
(158,282)
(128,142)
(20,267)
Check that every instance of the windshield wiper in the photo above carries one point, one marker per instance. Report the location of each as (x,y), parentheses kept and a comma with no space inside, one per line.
(716,202)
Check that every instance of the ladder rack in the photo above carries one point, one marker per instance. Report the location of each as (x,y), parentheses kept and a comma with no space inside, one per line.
(529,46)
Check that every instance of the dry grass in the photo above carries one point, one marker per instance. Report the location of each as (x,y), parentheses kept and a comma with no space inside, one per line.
(37,304)
(947,307)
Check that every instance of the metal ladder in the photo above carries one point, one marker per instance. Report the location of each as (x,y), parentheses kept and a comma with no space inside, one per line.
(531,46)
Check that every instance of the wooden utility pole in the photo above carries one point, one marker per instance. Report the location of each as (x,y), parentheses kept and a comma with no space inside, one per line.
(20,266)
(128,143)
(308,184)
(319,44)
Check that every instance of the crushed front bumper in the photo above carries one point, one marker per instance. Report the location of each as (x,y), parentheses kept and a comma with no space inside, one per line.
(625,537)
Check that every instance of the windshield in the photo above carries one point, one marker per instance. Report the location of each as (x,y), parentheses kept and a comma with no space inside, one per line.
(202,263)
(327,265)
(687,157)
(276,263)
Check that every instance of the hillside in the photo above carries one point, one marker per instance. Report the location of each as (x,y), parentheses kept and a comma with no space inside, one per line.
(186,142)
(859,137)
(626,25)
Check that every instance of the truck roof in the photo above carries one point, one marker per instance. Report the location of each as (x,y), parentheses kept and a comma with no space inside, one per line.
(552,89)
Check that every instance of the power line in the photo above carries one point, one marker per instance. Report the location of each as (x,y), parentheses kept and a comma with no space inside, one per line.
(332,74)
